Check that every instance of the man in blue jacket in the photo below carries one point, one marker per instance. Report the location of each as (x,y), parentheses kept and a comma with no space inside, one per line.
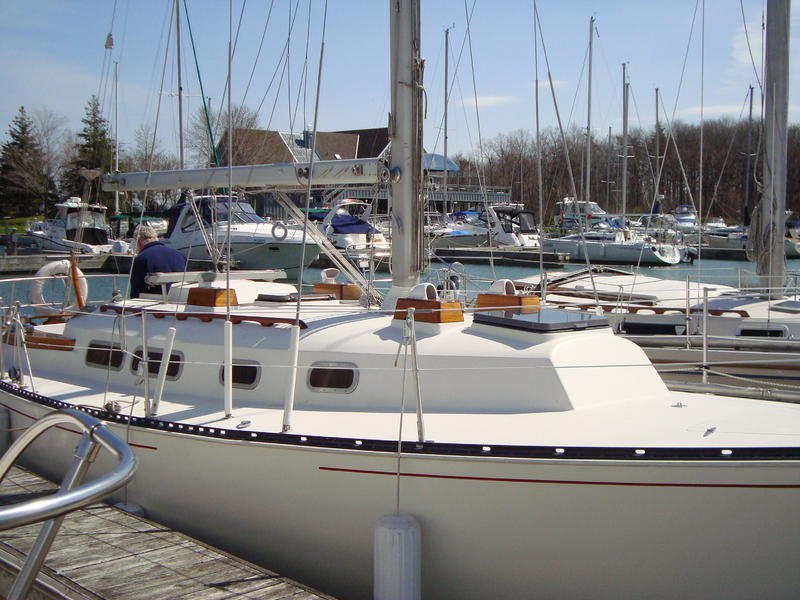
(153,257)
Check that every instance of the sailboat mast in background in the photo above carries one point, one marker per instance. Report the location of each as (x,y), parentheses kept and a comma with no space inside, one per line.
(776,104)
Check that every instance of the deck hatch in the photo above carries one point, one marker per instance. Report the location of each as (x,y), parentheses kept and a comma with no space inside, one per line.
(545,320)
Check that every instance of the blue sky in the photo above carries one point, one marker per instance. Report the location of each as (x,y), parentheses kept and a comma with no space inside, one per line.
(54,55)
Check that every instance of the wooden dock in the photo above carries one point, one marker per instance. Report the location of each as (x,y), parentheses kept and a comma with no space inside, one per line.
(102,552)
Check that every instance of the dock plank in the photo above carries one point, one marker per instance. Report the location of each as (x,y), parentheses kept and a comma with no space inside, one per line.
(102,552)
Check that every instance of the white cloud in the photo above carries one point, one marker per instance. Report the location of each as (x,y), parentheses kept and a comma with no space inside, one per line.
(487,101)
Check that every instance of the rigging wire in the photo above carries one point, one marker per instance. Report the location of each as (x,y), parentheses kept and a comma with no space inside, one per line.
(727,156)
(749,48)
(258,52)
(481,153)
(566,149)
(202,91)
(302,88)
(105,68)
(311,168)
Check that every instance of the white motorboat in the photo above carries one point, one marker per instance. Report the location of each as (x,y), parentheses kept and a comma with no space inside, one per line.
(77,227)
(198,228)
(505,226)
(610,246)
(686,217)
(347,226)
(540,453)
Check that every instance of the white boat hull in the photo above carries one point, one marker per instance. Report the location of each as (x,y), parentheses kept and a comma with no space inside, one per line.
(615,253)
(598,528)
(260,255)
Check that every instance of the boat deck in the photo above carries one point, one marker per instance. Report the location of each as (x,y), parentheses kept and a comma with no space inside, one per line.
(103,552)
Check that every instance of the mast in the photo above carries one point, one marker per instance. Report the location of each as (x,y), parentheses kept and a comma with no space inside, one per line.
(116,132)
(589,123)
(624,141)
(180,84)
(405,132)
(746,209)
(608,172)
(776,104)
(658,158)
(539,184)
(446,79)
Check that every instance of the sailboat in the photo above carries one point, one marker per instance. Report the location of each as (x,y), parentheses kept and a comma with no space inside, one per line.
(540,453)
(745,338)
(605,246)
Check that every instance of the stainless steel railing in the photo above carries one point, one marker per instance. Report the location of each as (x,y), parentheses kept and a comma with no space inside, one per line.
(72,494)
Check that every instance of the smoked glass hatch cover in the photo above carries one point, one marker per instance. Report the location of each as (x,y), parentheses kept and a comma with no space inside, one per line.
(788,306)
(543,320)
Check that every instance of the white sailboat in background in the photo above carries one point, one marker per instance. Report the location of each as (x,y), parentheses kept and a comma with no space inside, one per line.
(540,453)
(603,245)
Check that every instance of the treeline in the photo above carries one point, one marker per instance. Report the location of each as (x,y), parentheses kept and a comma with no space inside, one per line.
(510,160)
(43,162)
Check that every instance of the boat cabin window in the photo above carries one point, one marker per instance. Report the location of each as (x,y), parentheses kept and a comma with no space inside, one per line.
(771,332)
(86,219)
(333,377)
(527,222)
(246,374)
(154,362)
(188,223)
(506,222)
(104,355)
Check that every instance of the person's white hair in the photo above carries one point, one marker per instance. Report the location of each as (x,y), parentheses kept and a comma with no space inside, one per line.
(145,233)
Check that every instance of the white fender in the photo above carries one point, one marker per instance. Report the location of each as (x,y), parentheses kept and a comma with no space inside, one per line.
(52,269)
(279,227)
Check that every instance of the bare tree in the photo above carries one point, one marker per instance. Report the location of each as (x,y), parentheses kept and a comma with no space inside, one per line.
(203,135)
(51,134)
(147,154)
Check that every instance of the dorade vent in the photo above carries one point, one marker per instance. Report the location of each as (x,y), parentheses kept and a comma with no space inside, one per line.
(208,296)
(246,374)
(430,311)
(154,362)
(502,295)
(100,354)
(427,306)
(341,291)
(339,377)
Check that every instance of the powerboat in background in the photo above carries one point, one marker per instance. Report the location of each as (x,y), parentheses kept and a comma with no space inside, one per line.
(198,228)
(508,226)
(77,227)
(347,226)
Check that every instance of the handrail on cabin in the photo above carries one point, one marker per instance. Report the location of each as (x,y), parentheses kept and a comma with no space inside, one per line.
(207,316)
